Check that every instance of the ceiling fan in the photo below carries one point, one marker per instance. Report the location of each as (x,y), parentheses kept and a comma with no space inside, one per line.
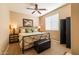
(36,9)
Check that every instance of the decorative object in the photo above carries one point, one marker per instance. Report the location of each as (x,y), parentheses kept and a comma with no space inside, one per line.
(27,23)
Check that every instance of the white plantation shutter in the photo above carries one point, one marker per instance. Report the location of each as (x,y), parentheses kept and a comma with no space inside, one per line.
(48,23)
(52,22)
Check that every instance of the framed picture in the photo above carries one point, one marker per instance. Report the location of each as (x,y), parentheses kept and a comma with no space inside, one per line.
(27,23)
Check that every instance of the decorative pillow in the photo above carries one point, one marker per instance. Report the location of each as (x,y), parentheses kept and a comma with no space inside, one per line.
(22,30)
(34,29)
(29,30)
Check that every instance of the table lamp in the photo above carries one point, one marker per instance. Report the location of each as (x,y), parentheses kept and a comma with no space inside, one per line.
(13,27)
(39,28)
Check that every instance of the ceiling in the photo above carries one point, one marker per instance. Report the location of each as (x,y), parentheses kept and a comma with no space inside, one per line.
(21,7)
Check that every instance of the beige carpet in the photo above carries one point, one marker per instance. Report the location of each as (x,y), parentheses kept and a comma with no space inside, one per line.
(56,49)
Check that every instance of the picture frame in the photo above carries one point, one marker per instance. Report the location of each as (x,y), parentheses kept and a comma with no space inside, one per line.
(27,23)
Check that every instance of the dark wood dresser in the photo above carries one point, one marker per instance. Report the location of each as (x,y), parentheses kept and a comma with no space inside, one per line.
(13,38)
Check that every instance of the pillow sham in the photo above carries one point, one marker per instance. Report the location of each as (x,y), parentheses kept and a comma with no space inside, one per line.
(22,30)
(34,29)
(28,30)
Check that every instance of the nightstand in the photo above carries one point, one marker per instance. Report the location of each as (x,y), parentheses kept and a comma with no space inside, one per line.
(13,38)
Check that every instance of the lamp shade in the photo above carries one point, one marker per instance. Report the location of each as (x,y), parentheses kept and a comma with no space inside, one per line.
(38,27)
(13,28)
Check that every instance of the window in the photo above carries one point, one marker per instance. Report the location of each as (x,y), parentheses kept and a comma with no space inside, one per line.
(52,22)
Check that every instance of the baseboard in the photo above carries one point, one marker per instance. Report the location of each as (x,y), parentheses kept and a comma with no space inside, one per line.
(6,50)
(55,39)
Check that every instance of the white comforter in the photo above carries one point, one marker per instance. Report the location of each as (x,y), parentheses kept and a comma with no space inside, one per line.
(29,34)
(28,40)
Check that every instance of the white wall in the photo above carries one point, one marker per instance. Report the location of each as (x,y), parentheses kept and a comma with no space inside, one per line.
(17,18)
(4,31)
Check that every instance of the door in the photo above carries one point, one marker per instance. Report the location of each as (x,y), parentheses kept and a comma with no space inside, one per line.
(68,35)
(62,31)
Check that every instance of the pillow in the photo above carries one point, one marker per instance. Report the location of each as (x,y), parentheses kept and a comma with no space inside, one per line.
(22,30)
(34,29)
(29,30)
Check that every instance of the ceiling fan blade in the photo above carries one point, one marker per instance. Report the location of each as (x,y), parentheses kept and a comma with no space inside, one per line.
(39,12)
(33,12)
(41,9)
(30,8)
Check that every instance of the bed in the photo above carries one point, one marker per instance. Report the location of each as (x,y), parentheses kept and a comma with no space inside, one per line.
(26,40)
(28,35)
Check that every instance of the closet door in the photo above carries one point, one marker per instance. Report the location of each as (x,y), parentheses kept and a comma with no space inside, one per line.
(62,31)
(68,35)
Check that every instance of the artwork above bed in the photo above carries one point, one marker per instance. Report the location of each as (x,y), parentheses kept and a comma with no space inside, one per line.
(27,23)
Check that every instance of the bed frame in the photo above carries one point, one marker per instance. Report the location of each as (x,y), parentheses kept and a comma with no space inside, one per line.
(41,34)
